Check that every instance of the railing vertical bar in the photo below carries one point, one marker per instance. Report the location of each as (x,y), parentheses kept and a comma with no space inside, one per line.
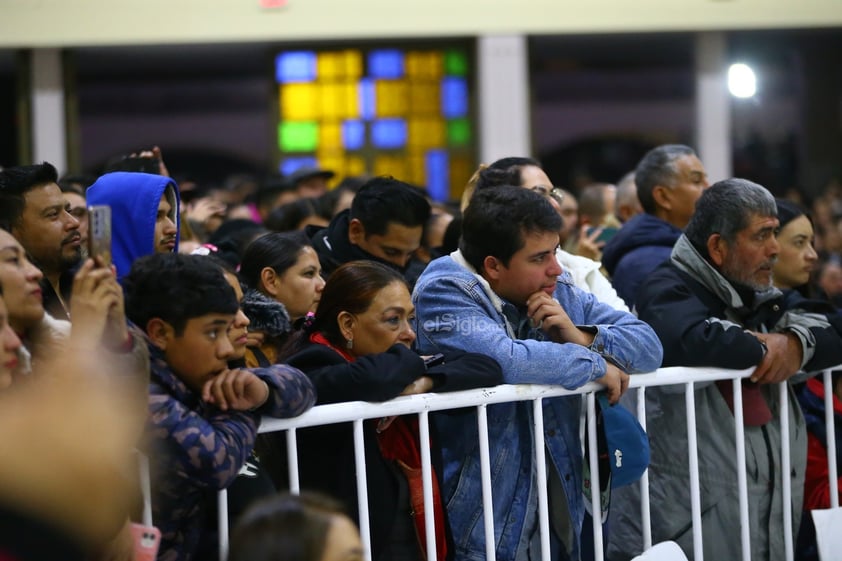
(292,461)
(485,472)
(541,474)
(786,468)
(145,487)
(645,509)
(693,453)
(362,487)
(596,502)
(427,483)
(742,477)
(222,517)
(832,468)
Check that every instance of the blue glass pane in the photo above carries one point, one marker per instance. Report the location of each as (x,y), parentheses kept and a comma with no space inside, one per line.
(299,66)
(454,97)
(353,135)
(438,174)
(388,133)
(385,64)
(289,165)
(367,99)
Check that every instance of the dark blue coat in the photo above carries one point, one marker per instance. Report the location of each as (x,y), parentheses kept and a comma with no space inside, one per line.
(643,243)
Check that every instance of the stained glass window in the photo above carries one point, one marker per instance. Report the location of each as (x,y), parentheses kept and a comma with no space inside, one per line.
(396,111)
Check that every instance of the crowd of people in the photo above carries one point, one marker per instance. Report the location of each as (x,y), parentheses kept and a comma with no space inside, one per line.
(218,305)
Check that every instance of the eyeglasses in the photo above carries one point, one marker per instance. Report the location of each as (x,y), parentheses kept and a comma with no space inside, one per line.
(549,192)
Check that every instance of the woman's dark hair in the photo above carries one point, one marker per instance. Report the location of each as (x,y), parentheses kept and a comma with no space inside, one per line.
(233,236)
(351,288)
(286,218)
(284,528)
(279,250)
(789,211)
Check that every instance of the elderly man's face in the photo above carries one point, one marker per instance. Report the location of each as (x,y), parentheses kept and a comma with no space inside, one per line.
(749,260)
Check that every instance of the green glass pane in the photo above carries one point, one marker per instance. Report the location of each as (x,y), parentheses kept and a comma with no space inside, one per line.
(298,136)
(458,132)
(455,63)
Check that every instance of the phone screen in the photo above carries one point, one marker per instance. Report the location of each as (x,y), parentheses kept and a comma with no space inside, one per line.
(606,234)
(99,234)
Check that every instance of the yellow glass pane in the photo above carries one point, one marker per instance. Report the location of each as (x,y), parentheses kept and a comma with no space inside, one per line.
(329,66)
(424,99)
(334,162)
(426,133)
(353,64)
(461,168)
(330,136)
(331,101)
(391,96)
(340,65)
(416,172)
(351,98)
(354,166)
(390,165)
(339,100)
(299,102)
(424,65)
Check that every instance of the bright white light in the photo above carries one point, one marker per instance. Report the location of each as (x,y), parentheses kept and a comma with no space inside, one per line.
(741,80)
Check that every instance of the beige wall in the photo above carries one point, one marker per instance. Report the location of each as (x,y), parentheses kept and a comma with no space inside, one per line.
(44,23)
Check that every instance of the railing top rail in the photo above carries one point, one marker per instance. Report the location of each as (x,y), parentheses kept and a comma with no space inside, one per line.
(352,410)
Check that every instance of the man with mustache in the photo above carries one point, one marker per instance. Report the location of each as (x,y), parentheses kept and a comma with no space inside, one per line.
(713,304)
(144,214)
(33,209)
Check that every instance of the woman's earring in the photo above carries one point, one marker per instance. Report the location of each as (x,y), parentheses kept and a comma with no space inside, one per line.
(349,344)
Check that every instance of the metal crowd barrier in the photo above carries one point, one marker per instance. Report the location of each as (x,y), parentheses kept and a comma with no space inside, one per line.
(356,412)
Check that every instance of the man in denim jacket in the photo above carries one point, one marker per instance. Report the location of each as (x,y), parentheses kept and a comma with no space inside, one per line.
(504,294)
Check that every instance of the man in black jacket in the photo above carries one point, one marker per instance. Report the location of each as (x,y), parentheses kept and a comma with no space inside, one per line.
(384,224)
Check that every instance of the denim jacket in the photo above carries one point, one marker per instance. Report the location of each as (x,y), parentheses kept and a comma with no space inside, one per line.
(457,310)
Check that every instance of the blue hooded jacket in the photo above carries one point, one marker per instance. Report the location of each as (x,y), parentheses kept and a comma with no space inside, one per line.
(133,198)
(643,243)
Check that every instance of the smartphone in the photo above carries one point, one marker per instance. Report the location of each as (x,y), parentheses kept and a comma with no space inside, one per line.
(137,164)
(433,360)
(606,234)
(147,540)
(99,234)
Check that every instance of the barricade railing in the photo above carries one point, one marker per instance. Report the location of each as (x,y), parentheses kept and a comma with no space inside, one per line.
(421,405)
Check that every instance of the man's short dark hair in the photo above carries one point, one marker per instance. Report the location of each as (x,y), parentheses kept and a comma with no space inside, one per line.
(15,182)
(75,183)
(497,220)
(176,288)
(505,171)
(658,167)
(726,208)
(385,200)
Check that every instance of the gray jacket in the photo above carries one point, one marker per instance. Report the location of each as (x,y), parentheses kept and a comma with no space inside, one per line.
(701,320)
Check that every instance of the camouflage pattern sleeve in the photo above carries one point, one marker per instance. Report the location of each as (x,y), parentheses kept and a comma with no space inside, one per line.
(291,391)
(208,449)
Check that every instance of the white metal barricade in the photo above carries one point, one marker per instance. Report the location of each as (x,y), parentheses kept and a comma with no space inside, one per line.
(422,405)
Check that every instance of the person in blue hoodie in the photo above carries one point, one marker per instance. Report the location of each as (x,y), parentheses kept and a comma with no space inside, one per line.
(144,215)
(670,179)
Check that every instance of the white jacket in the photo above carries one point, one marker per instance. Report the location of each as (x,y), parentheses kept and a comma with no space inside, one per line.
(586,275)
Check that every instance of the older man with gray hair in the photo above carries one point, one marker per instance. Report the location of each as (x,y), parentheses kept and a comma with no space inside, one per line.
(670,179)
(713,304)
